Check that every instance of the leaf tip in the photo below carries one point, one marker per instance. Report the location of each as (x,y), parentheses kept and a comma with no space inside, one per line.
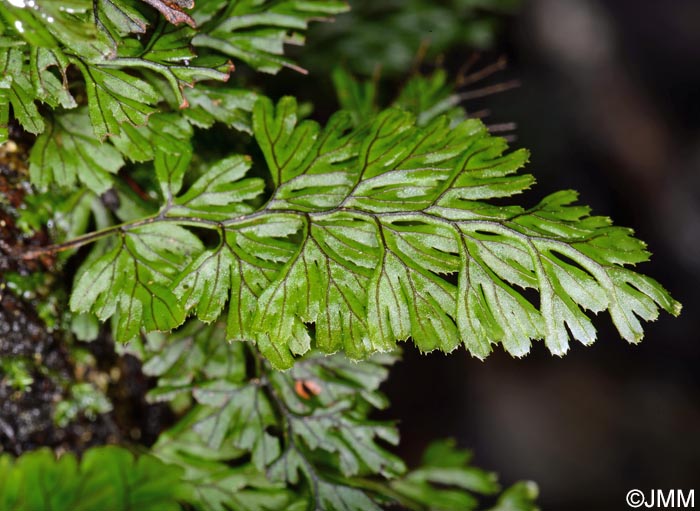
(676,308)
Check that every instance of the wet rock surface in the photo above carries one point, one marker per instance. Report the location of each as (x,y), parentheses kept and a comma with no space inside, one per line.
(26,416)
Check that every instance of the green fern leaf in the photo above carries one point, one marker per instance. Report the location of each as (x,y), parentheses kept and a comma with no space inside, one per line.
(115,97)
(519,497)
(125,77)
(132,279)
(165,134)
(68,152)
(255,32)
(445,480)
(423,190)
(16,90)
(232,107)
(382,232)
(307,428)
(117,19)
(240,414)
(168,54)
(221,193)
(218,485)
(195,353)
(425,96)
(243,410)
(49,88)
(105,478)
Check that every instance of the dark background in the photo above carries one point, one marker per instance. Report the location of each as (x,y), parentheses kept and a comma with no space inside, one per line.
(608,106)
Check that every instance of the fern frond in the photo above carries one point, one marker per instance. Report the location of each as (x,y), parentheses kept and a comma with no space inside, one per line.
(132,61)
(371,235)
(254,432)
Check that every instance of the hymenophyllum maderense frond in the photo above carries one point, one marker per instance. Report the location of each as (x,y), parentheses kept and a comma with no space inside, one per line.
(367,236)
